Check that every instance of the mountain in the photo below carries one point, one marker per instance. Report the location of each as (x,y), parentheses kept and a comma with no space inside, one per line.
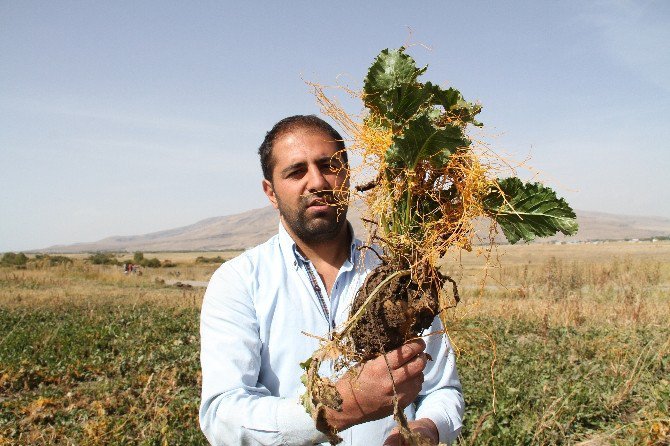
(212,234)
(241,231)
(603,226)
(230,232)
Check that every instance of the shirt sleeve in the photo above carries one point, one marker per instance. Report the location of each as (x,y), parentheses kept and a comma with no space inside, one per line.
(441,397)
(235,408)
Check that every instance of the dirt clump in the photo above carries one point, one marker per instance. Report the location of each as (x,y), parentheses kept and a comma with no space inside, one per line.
(400,310)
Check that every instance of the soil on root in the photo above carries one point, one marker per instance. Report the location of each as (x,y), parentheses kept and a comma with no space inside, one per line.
(400,311)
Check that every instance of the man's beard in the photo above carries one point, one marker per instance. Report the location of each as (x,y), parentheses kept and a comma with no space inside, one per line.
(321,227)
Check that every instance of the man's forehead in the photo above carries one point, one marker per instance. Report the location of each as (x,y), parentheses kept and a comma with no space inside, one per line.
(306,132)
(304,143)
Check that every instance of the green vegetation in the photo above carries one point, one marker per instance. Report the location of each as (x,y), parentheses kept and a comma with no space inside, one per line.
(430,179)
(13,259)
(578,342)
(167,263)
(103,258)
(151,263)
(202,259)
(561,385)
(139,259)
(430,183)
(120,374)
(106,258)
(52,260)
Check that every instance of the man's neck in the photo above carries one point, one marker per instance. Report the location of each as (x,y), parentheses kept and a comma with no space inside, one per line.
(332,252)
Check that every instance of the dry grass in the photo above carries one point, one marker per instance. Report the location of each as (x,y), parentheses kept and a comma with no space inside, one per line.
(616,283)
(574,337)
(82,283)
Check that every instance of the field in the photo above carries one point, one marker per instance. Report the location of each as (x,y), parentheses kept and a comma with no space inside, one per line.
(562,344)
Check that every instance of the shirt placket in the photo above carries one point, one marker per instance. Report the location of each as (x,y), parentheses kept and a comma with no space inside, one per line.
(317,287)
(321,298)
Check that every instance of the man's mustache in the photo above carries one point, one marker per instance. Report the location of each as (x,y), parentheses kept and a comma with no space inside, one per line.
(329,197)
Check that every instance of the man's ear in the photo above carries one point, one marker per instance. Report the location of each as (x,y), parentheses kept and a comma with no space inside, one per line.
(270,192)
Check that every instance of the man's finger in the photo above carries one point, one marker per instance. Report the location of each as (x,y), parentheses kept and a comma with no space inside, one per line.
(405,353)
(394,439)
(412,370)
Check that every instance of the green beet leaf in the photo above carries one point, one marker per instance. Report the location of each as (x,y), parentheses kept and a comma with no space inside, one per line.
(391,69)
(391,88)
(528,210)
(421,141)
(453,103)
(405,104)
(446,98)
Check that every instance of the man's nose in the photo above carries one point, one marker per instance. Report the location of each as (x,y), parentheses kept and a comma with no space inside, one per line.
(317,181)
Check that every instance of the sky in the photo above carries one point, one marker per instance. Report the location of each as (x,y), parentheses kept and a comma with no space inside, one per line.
(129,117)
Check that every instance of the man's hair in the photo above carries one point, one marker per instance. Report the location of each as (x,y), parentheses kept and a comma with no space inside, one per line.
(286,125)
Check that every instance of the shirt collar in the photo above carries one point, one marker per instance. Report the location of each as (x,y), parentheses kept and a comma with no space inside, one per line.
(294,258)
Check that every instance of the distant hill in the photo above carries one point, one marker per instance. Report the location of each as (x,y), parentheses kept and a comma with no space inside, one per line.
(603,226)
(241,231)
(237,231)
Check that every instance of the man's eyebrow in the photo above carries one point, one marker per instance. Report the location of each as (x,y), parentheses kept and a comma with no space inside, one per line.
(297,165)
(338,157)
(328,158)
(302,164)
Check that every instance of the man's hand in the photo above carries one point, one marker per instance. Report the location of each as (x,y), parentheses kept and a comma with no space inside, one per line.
(423,427)
(367,391)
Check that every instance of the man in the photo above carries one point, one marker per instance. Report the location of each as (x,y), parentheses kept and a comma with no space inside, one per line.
(259,306)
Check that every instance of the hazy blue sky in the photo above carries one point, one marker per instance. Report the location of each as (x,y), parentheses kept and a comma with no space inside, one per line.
(122,118)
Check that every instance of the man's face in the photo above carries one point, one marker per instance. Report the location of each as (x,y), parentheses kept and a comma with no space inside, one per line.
(308,179)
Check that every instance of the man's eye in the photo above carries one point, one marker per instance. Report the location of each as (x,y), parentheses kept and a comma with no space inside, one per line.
(333,166)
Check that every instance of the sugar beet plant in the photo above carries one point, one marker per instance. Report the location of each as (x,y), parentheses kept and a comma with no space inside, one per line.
(427,187)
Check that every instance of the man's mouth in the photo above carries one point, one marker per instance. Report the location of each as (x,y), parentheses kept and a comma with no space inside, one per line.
(321,204)
(322,201)
(318,203)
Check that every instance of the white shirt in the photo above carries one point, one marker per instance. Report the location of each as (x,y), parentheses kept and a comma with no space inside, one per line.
(256,313)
